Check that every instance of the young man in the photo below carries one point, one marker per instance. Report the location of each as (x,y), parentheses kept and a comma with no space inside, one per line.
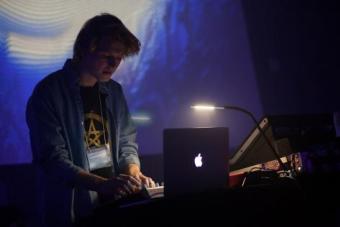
(82,135)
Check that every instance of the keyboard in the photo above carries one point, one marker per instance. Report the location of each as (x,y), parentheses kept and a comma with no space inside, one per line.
(155,192)
(145,196)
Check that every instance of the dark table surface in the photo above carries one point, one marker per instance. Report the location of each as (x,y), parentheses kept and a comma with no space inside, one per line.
(310,200)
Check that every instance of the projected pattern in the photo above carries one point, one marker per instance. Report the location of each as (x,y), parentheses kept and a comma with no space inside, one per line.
(191,51)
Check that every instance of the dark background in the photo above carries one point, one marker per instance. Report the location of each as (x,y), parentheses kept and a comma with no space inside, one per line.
(295,49)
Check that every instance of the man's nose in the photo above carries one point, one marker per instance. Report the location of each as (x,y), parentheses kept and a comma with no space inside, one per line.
(112,61)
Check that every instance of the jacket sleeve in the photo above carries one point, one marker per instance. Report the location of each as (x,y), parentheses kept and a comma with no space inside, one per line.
(49,148)
(127,146)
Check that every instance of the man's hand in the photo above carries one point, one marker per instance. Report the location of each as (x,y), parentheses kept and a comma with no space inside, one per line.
(120,186)
(133,170)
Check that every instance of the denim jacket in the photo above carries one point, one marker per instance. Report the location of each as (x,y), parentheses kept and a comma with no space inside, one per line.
(55,119)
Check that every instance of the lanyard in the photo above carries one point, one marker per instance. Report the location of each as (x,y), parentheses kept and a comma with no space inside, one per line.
(102,120)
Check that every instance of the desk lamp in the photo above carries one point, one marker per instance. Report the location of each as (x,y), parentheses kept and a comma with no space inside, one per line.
(212,108)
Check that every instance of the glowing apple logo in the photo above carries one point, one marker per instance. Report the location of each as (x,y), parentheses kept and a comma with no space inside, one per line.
(198,160)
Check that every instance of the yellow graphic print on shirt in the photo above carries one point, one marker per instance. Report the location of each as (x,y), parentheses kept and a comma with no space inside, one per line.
(94,133)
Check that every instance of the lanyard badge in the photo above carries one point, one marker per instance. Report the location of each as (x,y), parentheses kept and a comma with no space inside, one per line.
(99,157)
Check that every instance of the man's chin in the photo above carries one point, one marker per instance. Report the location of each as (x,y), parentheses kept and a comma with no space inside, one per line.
(105,78)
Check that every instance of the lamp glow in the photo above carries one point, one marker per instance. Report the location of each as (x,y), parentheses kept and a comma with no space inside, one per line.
(206,107)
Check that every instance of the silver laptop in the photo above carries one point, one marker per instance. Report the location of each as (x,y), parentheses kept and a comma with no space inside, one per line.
(195,160)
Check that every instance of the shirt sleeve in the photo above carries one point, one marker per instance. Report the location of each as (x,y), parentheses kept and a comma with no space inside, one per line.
(127,146)
(49,148)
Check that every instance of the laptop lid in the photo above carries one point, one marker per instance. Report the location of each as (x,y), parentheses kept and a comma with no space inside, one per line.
(195,160)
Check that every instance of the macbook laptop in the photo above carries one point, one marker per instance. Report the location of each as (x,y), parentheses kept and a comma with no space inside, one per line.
(195,160)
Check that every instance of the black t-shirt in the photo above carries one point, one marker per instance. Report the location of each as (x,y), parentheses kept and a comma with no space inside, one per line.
(96,133)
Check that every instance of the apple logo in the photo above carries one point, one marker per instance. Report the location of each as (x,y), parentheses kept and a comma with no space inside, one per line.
(198,160)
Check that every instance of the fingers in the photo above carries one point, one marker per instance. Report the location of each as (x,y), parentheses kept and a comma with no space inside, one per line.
(147,181)
(119,187)
(129,184)
(132,180)
(151,183)
(124,185)
(120,193)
